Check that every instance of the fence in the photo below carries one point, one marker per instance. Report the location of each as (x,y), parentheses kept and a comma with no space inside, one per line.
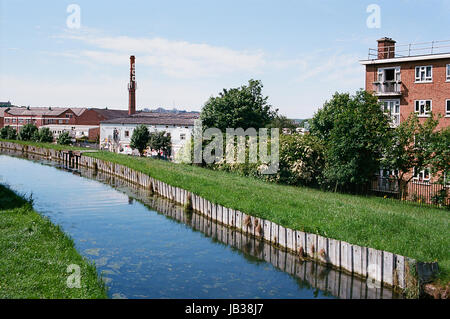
(426,193)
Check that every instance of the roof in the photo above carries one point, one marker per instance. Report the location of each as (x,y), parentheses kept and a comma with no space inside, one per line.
(18,111)
(149,118)
(109,114)
(407,59)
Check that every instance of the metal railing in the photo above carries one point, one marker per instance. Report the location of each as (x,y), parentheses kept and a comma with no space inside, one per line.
(411,49)
(388,87)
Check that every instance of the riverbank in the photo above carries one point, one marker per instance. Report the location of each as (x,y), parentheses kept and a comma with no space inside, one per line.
(35,255)
(402,228)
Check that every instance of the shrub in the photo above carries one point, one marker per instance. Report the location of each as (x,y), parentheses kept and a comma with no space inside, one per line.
(27,132)
(64,138)
(8,133)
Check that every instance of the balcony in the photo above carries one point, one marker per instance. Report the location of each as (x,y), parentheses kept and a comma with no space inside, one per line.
(387,88)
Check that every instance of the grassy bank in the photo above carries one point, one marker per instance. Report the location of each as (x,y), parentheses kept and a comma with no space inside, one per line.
(400,227)
(403,228)
(35,255)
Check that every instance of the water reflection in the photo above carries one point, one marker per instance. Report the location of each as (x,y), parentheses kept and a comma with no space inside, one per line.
(148,247)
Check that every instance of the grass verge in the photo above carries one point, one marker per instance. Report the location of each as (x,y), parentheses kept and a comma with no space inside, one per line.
(35,255)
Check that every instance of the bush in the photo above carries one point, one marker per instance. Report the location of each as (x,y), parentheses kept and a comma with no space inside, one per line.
(45,135)
(64,138)
(28,132)
(301,162)
(8,133)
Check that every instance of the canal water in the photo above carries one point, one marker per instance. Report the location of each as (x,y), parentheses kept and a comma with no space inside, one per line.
(147,247)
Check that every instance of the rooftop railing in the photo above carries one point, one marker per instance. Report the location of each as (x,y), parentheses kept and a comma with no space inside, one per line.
(411,49)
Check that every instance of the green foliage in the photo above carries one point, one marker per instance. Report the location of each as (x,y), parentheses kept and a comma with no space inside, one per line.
(440,158)
(64,138)
(8,133)
(28,132)
(410,147)
(140,138)
(354,130)
(242,107)
(302,159)
(160,142)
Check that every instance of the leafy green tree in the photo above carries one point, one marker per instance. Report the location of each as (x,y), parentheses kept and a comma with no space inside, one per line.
(27,132)
(139,139)
(412,146)
(64,138)
(355,131)
(8,133)
(242,107)
(440,159)
(324,119)
(160,142)
(45,135)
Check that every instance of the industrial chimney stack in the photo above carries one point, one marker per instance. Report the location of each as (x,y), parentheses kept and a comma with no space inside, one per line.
(132,88)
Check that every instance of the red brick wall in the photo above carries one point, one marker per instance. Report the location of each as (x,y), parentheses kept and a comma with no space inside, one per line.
(438,91)
(94,133)
(90,117)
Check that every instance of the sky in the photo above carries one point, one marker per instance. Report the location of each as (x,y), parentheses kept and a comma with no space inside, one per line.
(187,51)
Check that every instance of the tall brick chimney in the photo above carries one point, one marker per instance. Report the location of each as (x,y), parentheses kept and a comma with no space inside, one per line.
(132,88)
(386,48)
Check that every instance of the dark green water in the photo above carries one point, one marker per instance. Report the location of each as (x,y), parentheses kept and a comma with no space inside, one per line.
(147,247)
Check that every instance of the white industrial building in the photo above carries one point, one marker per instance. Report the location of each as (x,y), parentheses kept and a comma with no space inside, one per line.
(115,134)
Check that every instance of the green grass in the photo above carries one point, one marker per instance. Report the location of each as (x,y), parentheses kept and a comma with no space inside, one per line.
(47,145)
(404,228)
(35,255)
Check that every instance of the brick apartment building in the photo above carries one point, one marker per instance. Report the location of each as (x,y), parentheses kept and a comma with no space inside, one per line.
(406,80)
(411,78)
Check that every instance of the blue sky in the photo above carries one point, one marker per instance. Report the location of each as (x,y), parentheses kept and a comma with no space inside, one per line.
(186,51)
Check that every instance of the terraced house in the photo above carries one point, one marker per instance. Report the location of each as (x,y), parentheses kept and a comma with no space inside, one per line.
(410,78)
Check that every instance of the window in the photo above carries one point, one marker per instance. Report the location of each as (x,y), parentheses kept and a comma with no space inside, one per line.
(389,74)
(447,108)
(424,74)
(392,108)
(127,133)
(422,176)
(448,72)
(422,107)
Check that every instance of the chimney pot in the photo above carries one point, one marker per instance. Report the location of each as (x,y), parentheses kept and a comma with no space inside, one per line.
(386,48)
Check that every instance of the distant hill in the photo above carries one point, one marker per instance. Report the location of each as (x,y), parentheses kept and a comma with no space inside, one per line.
(163,110)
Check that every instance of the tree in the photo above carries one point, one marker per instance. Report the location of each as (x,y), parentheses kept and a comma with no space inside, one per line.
(64,138)
(410,147)
(139,139)
(44,135)
(440,159)
(160,142)
(27,132)
(354,130)
(8,133)
(242,107)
